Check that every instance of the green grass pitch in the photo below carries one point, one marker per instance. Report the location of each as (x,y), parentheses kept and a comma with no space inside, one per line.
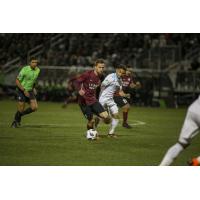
(54,136)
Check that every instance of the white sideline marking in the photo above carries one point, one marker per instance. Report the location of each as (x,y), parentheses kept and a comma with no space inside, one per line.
(137,123)
(132,123)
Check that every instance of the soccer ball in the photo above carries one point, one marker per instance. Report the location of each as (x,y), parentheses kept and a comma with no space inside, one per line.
(91,134)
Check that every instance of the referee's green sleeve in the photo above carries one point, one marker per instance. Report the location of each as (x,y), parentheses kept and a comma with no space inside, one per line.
(21,75)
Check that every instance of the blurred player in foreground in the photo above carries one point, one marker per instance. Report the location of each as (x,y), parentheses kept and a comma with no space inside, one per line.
(25,82)
(189,130)
(128,83)
(86,85)
(109,86)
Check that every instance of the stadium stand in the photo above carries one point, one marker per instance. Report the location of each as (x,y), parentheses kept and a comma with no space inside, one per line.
(165,63)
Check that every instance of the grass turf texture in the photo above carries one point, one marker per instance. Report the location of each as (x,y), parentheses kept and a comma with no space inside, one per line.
(56,136)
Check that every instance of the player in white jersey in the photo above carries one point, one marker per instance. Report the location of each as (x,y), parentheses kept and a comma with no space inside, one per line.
(189,130)
(109,86)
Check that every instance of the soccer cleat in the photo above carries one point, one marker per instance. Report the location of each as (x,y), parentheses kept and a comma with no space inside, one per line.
(14,124)
(96,122)
(193,162)
(18,124)
(126,125)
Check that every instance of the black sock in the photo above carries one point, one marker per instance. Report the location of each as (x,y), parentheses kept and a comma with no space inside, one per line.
(18,116)
(27,111)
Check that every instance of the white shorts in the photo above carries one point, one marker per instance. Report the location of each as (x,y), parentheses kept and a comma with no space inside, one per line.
(110,105)
(191,124)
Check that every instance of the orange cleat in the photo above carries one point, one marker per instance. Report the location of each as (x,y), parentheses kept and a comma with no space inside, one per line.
(194,162)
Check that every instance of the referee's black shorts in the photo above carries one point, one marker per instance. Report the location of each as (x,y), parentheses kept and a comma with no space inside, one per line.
(22,98)
(121,101)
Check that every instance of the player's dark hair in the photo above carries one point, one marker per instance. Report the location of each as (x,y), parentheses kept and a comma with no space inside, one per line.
(33,58)
(99,61)
(121,66)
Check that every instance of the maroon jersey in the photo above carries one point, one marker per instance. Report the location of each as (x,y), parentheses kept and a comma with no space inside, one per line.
(70,84)
(89,82)
(126,82)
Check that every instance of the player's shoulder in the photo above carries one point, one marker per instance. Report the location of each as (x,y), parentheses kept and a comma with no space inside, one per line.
(25,67)
(111,76)
(38,69)
(88,72)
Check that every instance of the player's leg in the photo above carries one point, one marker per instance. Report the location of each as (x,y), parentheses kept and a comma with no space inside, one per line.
(20,108)
(126,109)
(114,111)
(189,130)
(114,124)
(18,114)
(99,110)
(33,105)
(96,122)
(123,103)
(87,112)
(65,103)
(90,123)
(104,116)
(66,99)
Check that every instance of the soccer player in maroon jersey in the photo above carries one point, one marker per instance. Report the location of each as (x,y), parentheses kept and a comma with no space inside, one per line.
(86,85)
(70,91)
(128,82)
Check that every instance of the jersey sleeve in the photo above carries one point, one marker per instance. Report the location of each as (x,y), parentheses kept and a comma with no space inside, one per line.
(107,81)
(21,74)
(80,80)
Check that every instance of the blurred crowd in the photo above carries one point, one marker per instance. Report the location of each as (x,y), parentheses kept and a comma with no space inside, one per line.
(83,49)
(13,45)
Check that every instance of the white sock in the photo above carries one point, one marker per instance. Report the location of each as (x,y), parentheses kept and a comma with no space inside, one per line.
(114,124)
(171,154)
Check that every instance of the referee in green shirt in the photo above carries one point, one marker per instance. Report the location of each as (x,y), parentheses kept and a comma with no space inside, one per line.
(25,82)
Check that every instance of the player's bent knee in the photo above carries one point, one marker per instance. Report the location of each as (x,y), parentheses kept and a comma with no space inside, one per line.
(126,107)
(107,120)
(34,108)
(21,109)
(104,115)
(115,116)
(184,143)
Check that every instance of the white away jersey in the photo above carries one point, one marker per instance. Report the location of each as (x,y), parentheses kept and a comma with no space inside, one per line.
(110,85)
(195,106)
